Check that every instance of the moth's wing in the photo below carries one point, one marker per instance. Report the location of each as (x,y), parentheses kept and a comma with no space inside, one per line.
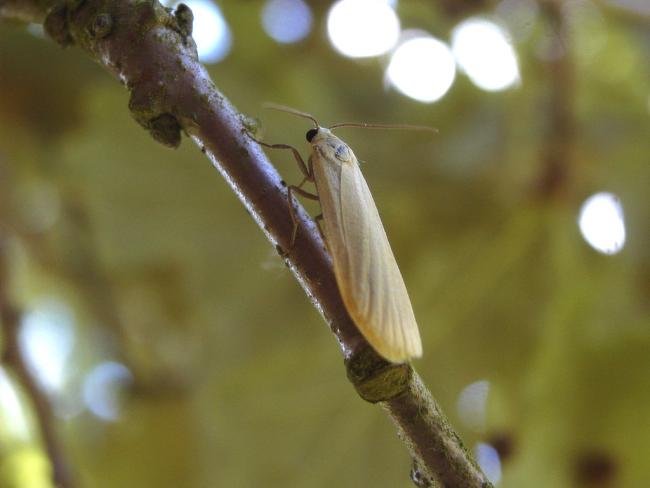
(366,271)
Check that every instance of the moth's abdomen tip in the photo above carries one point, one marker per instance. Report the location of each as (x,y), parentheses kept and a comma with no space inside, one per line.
(400,356)
(405,355)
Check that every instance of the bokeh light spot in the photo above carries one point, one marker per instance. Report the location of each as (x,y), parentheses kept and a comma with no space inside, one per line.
(11,410)
(286,21)
(422,68)
(489,461)
(39,205)
(483,51)
(36,30)
(520,16)
(471,405)
(102,388)
(636,7)
(363,28)
(602,223)
(210,31)
(46,338)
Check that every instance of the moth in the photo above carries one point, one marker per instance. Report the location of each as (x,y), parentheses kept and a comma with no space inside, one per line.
(366,272)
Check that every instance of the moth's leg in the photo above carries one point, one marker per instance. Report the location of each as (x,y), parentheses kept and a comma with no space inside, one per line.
(305,169)
(303,193)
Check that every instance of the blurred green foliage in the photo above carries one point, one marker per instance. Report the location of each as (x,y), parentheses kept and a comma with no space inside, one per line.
(237,382)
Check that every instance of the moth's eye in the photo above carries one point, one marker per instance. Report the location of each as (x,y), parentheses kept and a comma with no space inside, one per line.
(311,133)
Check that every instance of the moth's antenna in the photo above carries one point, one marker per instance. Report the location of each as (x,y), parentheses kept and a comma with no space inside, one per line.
(289,110)
(365,125)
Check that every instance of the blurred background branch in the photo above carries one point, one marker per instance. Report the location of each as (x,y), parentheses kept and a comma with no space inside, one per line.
(557,146)
(12,358)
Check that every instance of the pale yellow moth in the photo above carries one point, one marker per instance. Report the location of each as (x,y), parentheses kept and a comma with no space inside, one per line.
(369,280)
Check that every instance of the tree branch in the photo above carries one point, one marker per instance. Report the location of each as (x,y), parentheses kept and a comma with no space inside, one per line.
(13,358)
(150,50)
(555,175)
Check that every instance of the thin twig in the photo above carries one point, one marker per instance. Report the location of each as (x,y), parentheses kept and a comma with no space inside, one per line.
(12,356)
(557,144)
(151,51)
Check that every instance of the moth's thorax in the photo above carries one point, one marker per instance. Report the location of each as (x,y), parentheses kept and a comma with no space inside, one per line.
(330,147)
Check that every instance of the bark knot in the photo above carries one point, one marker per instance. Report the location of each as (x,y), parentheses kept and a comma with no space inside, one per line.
(101,26)
(374,378)
(56,25)
(152,112)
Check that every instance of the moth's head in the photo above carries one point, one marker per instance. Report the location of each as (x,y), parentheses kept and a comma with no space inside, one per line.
(328,145)
(316,134)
